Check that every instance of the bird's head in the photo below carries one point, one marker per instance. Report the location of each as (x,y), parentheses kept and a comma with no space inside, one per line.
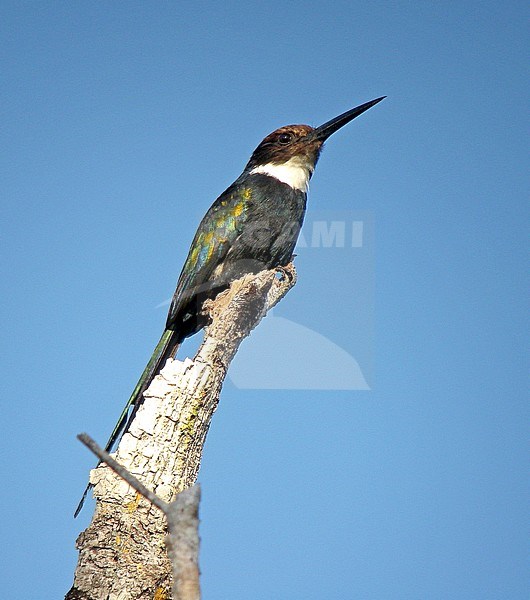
(291,152)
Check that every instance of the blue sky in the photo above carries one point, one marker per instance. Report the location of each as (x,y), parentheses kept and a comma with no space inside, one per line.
(121,123)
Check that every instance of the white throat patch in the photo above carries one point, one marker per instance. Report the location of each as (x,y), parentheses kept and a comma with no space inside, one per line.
(292,172)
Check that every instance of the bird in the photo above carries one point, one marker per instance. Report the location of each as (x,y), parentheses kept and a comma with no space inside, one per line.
(252,226)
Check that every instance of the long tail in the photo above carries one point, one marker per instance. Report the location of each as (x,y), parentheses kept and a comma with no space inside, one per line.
(165,348)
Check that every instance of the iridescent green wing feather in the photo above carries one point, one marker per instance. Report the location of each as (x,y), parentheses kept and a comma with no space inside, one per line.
(216,234)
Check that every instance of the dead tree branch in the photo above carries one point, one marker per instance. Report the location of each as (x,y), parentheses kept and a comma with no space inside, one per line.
(122,554)
(182,518)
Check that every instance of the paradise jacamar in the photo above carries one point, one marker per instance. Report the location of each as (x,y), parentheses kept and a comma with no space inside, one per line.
(252,226)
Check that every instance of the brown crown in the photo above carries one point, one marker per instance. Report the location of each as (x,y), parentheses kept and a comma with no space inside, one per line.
(285,143)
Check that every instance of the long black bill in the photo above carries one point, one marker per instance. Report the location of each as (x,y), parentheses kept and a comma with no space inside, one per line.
(324,131)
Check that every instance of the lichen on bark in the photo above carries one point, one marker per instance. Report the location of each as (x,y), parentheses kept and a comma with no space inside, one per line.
(122,554)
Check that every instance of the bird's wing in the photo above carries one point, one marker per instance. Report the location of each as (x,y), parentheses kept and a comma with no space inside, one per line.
(217,232)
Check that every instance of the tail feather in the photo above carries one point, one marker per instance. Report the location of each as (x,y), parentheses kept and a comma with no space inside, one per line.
(165,348)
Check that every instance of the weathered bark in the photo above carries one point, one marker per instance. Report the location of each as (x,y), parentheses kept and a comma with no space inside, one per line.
(122,554)
(182,516)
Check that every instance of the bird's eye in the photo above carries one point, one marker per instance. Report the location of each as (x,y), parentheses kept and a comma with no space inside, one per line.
(285,138)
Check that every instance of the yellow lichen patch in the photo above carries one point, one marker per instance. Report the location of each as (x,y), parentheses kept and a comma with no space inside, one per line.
(247,193)
(133,505)
(188,424)
(160,594)
(186,432)
(123,545)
